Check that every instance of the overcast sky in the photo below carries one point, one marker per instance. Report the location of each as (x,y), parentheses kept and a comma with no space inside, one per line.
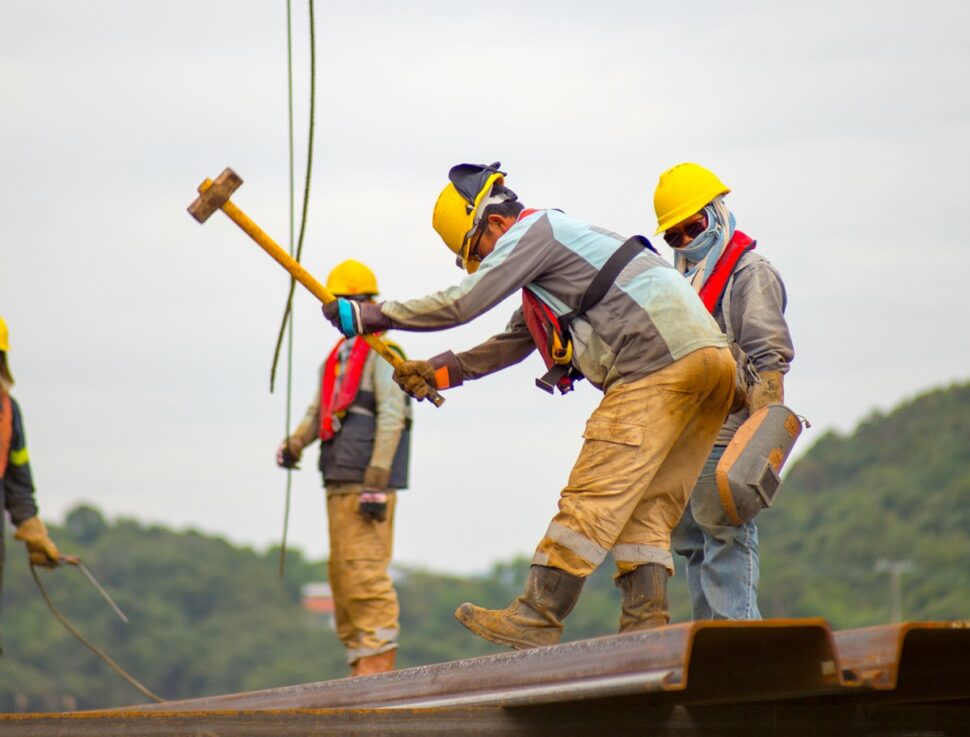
(142,341)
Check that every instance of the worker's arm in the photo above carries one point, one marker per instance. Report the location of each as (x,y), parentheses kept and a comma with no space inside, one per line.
(391,409)
(18,481)
(500,351)
(521,256)
(19,498)
(291,449)
(757,312)
(447,370)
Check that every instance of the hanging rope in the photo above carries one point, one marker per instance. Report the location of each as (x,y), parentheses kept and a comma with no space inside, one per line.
(306,189)
(90,645)
(287,323)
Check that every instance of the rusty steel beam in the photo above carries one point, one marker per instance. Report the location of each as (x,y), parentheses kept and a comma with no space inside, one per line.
(617,718)
(699,662)
(915,661)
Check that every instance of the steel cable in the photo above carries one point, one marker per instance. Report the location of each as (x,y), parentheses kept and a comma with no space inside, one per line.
(286,326)
(90,645)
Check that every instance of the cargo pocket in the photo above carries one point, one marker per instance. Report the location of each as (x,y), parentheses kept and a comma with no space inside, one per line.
(614,432)
(607,454)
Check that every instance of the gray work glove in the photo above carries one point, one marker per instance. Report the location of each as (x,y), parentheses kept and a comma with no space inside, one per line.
(373,499)
(414,377)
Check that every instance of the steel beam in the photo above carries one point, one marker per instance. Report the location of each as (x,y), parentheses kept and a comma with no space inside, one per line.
(699,662)
(623,718)
(909,661)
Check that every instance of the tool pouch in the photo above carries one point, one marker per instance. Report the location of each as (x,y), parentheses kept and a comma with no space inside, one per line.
(749,473)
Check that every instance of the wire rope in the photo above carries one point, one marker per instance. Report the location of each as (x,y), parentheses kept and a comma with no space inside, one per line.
(286,325)
(90,645)
(306,196)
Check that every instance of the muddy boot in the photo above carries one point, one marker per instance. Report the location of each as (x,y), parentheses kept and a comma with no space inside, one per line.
(533,619)
(644,598)
(370,665)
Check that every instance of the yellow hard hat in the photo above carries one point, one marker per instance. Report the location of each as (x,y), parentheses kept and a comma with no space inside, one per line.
(459,207)
(350,278)
(682,191)
(4,336)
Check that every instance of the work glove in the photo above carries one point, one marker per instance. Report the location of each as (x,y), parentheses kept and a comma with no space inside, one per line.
(352,317)
(414,377)
(40,548)
(372,504)
(288,454)
(770,390)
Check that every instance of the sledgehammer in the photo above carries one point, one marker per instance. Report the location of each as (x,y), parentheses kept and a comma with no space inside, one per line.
(215,196)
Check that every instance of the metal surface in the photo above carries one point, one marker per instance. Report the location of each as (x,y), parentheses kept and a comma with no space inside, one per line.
(910,661)
(616,719)
(699,662)
(776,678)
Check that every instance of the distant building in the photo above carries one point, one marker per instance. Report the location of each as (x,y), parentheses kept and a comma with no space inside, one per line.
(316,600)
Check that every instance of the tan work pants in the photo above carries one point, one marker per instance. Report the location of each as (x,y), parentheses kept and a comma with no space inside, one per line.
(645,445)
(364,599)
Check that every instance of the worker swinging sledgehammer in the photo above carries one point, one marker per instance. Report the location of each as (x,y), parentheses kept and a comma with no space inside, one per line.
(363,422)
(16,480)
(596,306)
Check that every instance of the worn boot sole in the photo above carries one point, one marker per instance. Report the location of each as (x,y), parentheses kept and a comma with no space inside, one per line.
(466,614)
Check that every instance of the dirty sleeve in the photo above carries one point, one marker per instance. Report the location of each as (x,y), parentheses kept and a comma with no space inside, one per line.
(18,482)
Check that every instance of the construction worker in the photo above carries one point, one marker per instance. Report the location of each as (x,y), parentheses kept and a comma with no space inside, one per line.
(597,307)
(16,481)
(747,297)
(363,422)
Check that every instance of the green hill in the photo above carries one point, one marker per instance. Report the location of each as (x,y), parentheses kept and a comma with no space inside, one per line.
(208,617)
(898,489)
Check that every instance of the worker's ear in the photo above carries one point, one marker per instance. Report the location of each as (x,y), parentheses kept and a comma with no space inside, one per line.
(501,221)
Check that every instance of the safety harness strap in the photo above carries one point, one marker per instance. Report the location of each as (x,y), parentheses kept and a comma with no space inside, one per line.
(6,430)
(605,277)
(338,392)
(714,287)
(562,375)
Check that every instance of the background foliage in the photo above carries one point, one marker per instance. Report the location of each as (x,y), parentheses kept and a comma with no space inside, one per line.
(208,617)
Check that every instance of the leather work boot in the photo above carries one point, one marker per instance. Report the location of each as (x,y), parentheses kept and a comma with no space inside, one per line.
(371,665)
(644,592)
(533,619)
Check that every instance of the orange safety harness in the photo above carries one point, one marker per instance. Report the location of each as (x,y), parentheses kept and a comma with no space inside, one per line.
(6,430)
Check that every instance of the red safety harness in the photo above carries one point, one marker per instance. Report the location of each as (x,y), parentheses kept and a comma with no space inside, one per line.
(6,430)
(716,283)
(334,404)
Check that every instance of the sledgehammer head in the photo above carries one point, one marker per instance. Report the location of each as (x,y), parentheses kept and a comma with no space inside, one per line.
(213,195)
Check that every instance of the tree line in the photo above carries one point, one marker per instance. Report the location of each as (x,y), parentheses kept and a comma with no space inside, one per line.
(210,617)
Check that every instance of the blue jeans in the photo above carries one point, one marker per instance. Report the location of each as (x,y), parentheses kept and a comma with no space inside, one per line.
(722,559)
